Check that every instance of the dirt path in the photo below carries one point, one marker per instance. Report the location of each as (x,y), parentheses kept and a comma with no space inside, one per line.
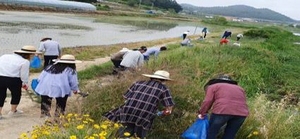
(12,127)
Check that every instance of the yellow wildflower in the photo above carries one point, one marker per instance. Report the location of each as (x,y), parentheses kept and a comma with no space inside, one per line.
(80,127)
(116,125)
(103,134)
(86,115)
(85,122)
(91,137)
(73,137)
(102,137)
(96,126)
(255,133)
(23,135)
(104,126)
(126,134)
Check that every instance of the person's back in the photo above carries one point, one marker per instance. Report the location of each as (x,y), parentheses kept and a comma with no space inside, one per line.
(13,65)
(50,47)
(133,59)
(229,99)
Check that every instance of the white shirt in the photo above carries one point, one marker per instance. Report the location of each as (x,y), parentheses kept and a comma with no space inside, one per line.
(51,48)
(133,59)
(240,35)
(13,65)
(186,32)
(152,51)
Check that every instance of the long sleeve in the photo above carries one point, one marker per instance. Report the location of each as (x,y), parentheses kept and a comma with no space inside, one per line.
(208,101)
(41,48)
(73,82)
(141,60)
(24,73)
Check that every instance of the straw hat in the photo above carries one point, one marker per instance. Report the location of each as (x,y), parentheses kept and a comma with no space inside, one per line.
(160,74)
(69,59)
(27,49)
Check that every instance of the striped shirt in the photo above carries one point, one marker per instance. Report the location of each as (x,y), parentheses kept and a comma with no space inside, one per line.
(142,100)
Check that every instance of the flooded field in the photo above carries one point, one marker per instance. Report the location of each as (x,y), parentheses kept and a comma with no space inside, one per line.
(27,28)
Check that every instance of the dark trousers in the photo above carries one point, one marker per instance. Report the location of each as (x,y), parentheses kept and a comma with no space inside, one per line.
(216,121)
(48,60)
(204,34)
(135,131)
(184,36)
(60,105)
(116,63)
(15,87)
(238,38)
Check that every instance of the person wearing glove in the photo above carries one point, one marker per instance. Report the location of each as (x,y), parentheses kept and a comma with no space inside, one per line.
(14,74)
(140,108)
(229,106)
(58,81)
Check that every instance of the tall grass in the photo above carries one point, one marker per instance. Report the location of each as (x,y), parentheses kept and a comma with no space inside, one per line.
(260,65)
(266,67)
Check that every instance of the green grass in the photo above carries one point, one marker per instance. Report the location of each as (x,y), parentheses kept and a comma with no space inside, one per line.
(266,68)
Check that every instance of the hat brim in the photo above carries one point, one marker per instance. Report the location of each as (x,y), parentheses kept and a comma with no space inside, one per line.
(26,52)
(157,77)
(66,61)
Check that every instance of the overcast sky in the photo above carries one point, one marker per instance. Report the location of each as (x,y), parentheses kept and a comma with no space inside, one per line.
(290,8)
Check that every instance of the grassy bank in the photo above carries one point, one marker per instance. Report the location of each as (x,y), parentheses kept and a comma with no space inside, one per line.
(265,66)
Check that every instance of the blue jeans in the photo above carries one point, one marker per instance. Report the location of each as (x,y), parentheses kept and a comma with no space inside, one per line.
(216,121)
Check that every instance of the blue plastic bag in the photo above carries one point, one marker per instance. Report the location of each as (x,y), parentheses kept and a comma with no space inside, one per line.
(198,130)
(35,62)
(34,83)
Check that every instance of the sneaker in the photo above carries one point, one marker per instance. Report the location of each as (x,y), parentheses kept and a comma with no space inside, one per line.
(15,113)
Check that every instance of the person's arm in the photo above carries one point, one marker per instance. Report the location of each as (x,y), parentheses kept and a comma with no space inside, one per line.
(167,101)
(73,79)
(42,47)
(141,60)
(24,72)
(208,101)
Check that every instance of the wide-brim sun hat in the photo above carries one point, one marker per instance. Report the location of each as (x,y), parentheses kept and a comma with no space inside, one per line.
(67,58)
(27,49)
(160,74)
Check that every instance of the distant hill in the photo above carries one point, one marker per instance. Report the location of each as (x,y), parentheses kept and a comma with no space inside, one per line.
(241,11)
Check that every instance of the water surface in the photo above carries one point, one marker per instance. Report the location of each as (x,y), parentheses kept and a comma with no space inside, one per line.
(28,28)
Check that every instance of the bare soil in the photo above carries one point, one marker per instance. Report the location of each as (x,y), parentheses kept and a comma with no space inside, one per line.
(13,127)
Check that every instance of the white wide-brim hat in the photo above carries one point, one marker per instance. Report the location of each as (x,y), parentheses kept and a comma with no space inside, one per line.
(160,74)
(69,59)
(27,49)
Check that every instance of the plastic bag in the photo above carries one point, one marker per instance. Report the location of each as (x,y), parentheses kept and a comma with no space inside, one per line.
(35,62)
(34,83)
(198,130)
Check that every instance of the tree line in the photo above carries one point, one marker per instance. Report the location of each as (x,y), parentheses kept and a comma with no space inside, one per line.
(163,4)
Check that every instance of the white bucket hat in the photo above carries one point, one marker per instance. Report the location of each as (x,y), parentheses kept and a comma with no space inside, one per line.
(27,49)
(69,59)
(160,74)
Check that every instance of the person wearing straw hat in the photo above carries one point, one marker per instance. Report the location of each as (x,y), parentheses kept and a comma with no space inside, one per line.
(51,50)
(58,81)
(229,106)
(14,74)
(141,105)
